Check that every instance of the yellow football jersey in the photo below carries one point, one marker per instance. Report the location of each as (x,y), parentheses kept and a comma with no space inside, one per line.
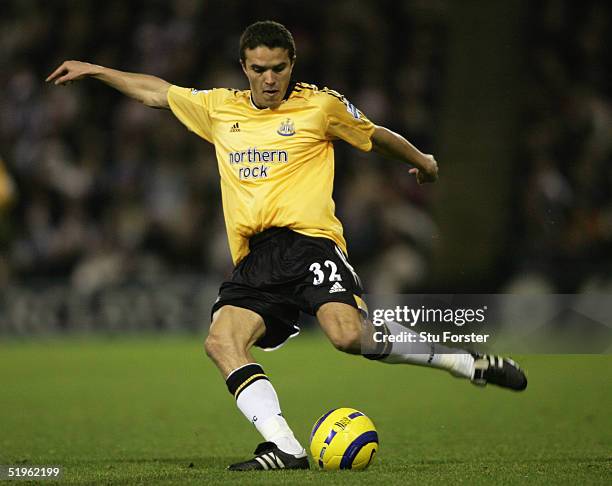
(276,165)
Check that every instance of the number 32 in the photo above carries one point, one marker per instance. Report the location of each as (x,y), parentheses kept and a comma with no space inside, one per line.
(319,276)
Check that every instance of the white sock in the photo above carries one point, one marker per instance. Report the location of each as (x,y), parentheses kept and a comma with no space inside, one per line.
(457,361)
(258,401)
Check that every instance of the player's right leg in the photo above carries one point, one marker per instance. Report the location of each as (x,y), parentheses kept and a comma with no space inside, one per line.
(480,369)
(350,332)
(340,312)
(233,332)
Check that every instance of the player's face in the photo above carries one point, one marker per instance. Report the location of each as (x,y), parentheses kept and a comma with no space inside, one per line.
(269,72)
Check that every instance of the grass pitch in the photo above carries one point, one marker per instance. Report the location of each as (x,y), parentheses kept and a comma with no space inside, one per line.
(154,410)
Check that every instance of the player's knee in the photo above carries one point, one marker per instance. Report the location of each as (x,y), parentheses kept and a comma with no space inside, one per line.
(343,327)
(216,346)
(347,339)
(232,332)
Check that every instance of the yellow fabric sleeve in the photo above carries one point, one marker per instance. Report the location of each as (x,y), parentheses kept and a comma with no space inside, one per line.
(346,122)
(192,107)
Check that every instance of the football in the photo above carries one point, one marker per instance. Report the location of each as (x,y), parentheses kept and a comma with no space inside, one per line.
(343,438)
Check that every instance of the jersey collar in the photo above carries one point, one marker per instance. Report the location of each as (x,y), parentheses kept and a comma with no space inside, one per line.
(288,93)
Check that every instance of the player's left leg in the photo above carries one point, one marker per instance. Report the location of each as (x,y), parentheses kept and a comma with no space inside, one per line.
(233,332)
(350,332)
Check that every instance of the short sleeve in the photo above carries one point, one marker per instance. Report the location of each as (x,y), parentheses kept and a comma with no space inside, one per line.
(345,121)
(192,107)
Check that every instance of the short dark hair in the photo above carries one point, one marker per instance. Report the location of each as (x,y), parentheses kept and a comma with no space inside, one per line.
(266,33)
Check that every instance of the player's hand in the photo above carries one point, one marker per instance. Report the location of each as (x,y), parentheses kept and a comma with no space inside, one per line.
(71,71)
(429,172)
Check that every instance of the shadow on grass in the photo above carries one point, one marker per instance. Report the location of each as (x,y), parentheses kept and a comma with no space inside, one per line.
(141,470)
(189,462)
(185,470)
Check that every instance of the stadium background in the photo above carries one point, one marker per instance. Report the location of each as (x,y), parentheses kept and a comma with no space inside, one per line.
(111,211)
(110,221)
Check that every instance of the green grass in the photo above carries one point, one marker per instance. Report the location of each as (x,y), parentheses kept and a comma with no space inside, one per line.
(154,410)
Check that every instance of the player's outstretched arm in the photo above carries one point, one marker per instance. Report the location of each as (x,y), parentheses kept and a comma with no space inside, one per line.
(394,146)
(150,90)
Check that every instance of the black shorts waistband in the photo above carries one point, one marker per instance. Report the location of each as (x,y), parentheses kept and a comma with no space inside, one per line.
(266,235)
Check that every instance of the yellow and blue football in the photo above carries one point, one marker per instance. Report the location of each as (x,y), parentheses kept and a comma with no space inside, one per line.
(343,438)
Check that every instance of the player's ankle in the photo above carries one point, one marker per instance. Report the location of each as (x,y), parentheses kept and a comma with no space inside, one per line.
(276,430)
(460,365)
(290,445)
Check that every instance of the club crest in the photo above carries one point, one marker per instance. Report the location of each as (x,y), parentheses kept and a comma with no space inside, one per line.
(287,128)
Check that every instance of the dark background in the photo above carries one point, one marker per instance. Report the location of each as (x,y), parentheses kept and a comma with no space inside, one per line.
(111,213)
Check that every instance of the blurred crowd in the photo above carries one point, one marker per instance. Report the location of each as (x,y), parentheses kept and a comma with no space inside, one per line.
(107,189)
(96,188)
(565,217)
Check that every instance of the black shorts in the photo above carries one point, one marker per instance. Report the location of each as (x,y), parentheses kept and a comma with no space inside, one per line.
(287,272)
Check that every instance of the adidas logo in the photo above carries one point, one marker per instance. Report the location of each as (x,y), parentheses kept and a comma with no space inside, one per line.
(270,461)
(235,128)
(337,288)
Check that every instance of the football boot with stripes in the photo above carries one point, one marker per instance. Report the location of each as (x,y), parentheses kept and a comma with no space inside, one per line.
(268,456)
(497,370)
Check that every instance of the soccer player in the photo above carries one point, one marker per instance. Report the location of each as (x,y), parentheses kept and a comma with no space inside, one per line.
(274,146)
